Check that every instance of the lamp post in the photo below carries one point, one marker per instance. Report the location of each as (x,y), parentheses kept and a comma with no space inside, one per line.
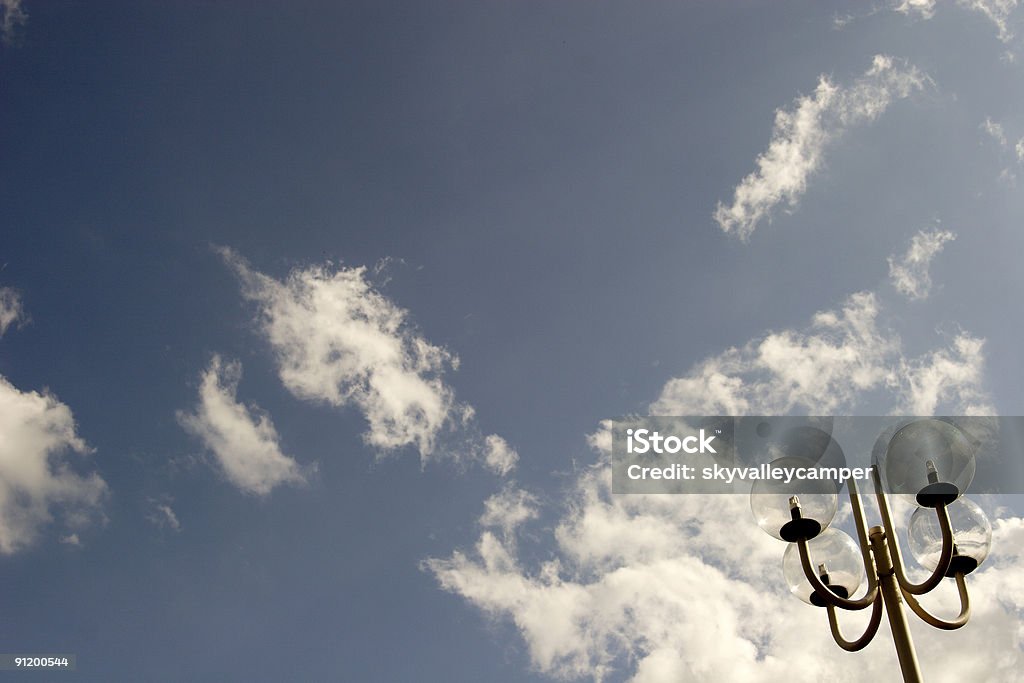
(934,462)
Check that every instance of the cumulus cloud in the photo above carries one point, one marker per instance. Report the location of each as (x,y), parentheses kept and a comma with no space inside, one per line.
(672,588)
(40,458)
(662,588)
(667,588)
(12,15)
(11,309)
(802,133)
(909,274)
(242,438)
(339,341)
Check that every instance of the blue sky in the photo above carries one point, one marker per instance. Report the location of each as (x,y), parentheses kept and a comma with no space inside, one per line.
(311,315)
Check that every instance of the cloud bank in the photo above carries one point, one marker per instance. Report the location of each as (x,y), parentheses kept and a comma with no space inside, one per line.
(242,438)
(802,134)
(661,589)
(658,589)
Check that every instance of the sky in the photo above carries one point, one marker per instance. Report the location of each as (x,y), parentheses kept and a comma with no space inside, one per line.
(312,316)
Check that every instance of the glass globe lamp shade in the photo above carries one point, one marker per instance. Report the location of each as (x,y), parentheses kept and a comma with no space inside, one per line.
(972,537)
(931,460)
(800,508)
(837,561)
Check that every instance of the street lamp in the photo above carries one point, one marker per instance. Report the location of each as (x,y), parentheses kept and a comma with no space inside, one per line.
(932,463)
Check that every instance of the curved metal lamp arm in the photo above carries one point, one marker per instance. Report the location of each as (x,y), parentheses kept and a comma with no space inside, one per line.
(960,620)
(831,599)
(862,535)
(869,632)
(826,594)
(894,545)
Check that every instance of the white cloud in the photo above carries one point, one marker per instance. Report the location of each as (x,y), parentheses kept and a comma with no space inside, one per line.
(38,479)
(909,274)
(667,588)
(994,130)
(923,8)
(339,341)
(508,510)
(801,135)
(946,377)
(242,438)
(71,539)
(828,366)
(11,310)
(11,17)
(163,516)
(996,11)
(1008,151)
(662,588)
(840,355)
(499,456)
(999,12)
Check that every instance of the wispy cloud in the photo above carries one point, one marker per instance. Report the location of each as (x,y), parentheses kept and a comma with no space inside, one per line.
(11,309)
(1008,152)
(338,340)
(828,366)
(910,274)
(12,15)
(802,134)
(996,11)
(162,515)
(994,130)
(39,475)
(498,455)
(71,539)
(922,8)
(242,438)
(952,378)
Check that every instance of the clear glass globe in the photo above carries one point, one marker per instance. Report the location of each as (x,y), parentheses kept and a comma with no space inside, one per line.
(772,500)
(814,444)
(834,556)
(931,460)
(763,439)
(972,536)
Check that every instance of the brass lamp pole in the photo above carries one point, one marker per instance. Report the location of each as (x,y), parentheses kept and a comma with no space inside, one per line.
(948,534)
